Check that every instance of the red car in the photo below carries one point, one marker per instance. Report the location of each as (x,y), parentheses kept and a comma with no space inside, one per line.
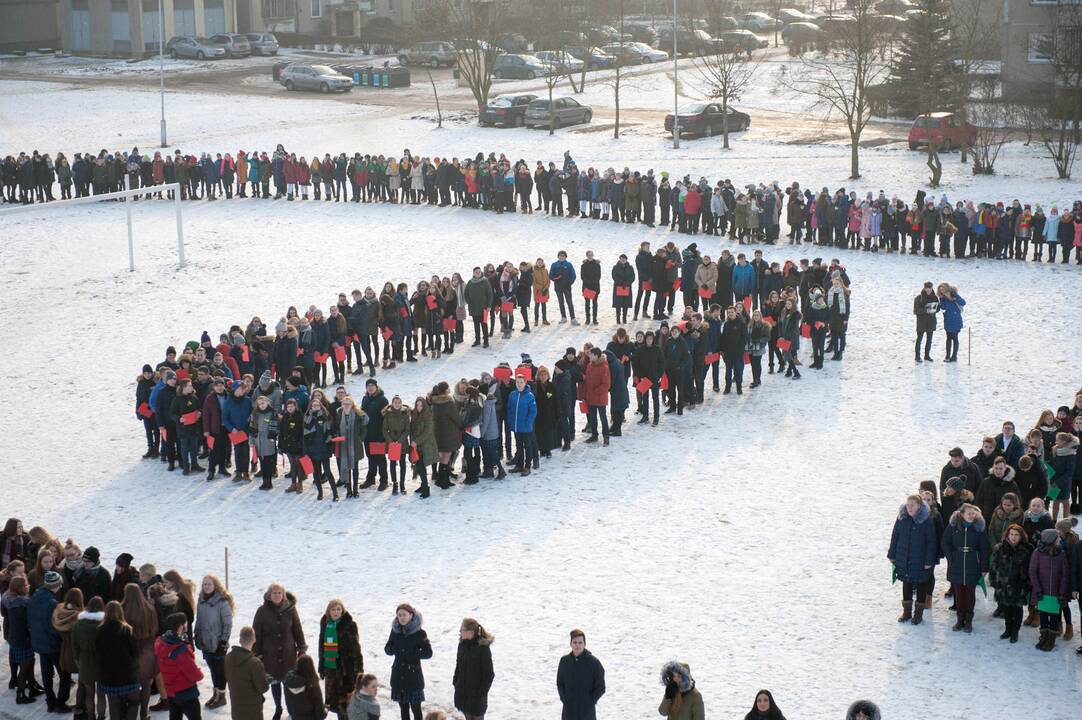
(944,128)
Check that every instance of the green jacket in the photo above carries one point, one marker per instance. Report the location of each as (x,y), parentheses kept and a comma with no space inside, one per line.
(423,435)
(84,645)
(478,296)
(691,707)
(396,426)
(247,682)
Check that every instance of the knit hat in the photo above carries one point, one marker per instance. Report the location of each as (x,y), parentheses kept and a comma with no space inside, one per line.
(237,384)
(147,368)
(526,358)
(371,381)
(168,375)
(281,326)
(956,483)
(92,554)
(1049,537)
(191,346)
(53,581)
(265,379)
(219,380)
(204,338)
(1066,524)
(124,560)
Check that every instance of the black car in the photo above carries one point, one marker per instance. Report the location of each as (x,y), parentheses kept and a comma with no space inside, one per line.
(705,119)
(506,110)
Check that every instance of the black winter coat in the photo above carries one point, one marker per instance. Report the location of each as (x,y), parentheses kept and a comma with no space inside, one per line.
(648,362)
(590,274)
(116,655)
(734,339)
(409,646)
(1009,573)
(581,683)
(622,275)
(473,676)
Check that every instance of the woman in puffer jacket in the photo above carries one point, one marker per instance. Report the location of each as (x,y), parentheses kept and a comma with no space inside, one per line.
(213,626)
(682,700)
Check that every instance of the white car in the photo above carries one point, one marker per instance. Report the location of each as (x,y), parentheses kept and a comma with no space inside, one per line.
(561,62)
(759,22)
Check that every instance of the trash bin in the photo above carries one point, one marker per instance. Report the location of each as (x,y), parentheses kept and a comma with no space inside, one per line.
(396,77)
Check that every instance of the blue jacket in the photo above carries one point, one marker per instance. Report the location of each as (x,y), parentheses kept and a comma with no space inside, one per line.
(743,280)
(236,412)
(562,274)
(300,395)
(913,545)
(966,550)
(521,410)
(43,636)
(952,312)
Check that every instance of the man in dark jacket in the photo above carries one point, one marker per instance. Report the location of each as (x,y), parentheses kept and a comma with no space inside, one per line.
(1010,445)
(93,580)
(734,341)
(372,405)
(246,679)
(644,268)
(479,297)
(580,680)
(992,489)
(45,641)
(925,307)
(961,466)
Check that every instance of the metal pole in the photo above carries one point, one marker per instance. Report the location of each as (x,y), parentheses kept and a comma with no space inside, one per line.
(675,85)
(226,567)
(180,230)
(161,64)
(969,346)
(131,242)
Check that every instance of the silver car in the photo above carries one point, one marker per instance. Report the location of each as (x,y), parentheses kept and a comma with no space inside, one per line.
(432,54)
(263,43)
(562,62)
(194,47)
(235,44)
(566,111)
(314,77)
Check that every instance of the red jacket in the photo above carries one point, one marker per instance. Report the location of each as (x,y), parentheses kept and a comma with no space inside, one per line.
(596,383)
(693,201)
(176,662)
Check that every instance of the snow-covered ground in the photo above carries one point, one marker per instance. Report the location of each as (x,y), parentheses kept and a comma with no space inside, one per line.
(747,538)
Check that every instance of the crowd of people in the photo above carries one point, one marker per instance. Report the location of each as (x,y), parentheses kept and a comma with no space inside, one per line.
(118,640)
(1007,514)
(262,391)
(749,214)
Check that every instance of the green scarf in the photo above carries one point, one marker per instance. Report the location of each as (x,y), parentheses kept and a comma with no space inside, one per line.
(330,645)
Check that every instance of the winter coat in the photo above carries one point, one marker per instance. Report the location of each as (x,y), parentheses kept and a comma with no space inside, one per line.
(925,307)
(213,624)
(521,410)
(691,701)
(372,407)
(396,425)
(473,675)
(116,651)
(952,312)
(84,645)
(64,620)
(246,680)
(446,423)
(743,280)
(913,545)
(176,663)
(236,412)
(992,490)
(618,397)
(596,383)
(1064,460)
(648,362)
(350,661)
(1000,521)
(1008,573)
(409,646)
(1034,524)
(39,617)
(591,274)
(299,701)
(706,276)
(263,431)
(581,683)
(279,637)
(423,435)
(291,433)
(966,550)
(562,274)
(623,275)
(479,296)
(362,707)
(1012,451)
(318,431)
(1049,573)
(734,339)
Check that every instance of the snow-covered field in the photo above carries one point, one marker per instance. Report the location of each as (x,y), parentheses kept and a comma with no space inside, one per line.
(747,539)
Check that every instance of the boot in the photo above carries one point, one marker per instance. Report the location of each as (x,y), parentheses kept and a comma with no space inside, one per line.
(1047,642)
(1032,619)
(21,698)
(394,487)
(1068,631)
(382,485)
(918,613)
(968,625)
(907,611)
(221,701)
(159,706)
(959,622)
(266,485)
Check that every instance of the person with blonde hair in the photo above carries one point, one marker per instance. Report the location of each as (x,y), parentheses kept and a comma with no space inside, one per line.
(279,638)
(213,626)
(340,658)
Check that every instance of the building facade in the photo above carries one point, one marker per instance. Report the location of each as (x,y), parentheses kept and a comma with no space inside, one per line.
(28,25)
(133,27)
(1031,30)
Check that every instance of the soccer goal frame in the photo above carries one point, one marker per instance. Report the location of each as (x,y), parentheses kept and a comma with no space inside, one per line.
(120,195)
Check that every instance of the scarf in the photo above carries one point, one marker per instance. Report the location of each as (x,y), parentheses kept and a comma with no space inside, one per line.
(330,645)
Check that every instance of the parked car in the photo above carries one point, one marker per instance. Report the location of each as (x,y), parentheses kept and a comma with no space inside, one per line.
(194,47)
(634,53)
(560,61)
(688,42)
(801,33)
(263,43)
(893,7)
(235,44)
(562,39)
(943,128)
(567,111)
(642,33)
(789,15)
(433,54)
(887,23)
(605,34)
(723,23)
(759,22)
(595,58)
(742,41)
(519,67)
(506,110)
(836,25)
(513,42)
(706,119)
(299,76)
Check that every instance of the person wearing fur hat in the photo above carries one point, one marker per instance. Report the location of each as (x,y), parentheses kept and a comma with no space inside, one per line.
(863,710)
(473,670)
(408,644)
(682,700)
(1009,574)
(913,554)
(965,546)
(1049,579)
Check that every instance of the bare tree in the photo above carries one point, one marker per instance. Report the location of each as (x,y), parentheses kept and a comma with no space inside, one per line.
(472,26)
(439,112)
(838,80)
(993,119)
(973,22)
(1057,116)
(724,76)
(550,82)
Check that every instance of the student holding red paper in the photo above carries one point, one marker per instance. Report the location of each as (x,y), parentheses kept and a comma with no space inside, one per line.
(789,332)
(263,435)
(422,450)
(291,442)
(144,384)
(521,414)
(508,284)
(479,297)
(623,277)
(591,281)
(372,405)
(524,293)
(596,383)
(316,444)
(390,322)
(706,280)
(350,426)
(321,348)
(236,411)
(162,403)
(644,268)
(189,434)
(648,363)
(734,340)
(447,427)
(817,317)
(214,433)
(396,428)
(677,364)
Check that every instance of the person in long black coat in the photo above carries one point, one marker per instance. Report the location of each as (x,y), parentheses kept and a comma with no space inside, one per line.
(116,650)
(473,669)
(623,276)
(580,680)
(590,275)
(548,412)
(408,644)
(648,362)
(734,341)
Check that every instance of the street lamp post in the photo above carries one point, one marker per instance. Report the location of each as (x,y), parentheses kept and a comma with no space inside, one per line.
(675,85)
(161,64)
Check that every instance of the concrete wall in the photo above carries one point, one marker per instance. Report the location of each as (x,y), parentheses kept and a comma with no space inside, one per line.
(28,25)
(101,38)
(1021,19)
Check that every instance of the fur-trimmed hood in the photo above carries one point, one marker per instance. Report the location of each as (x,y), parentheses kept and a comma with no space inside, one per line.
(1070,448)
(870,709)
(978,524)
(1008,477)
(415,624)
(440,399)
(287,602)
(922,514)
(687,683)
(92,616)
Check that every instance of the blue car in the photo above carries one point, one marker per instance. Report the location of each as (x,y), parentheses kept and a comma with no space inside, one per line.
(595,58)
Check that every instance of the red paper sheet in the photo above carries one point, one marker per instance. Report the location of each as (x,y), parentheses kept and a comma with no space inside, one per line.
(647,286)
(747,358)
(676,284)
(539,298)
(623,291)
(524,371)
(244,353)
(394,451)
(784,344)
(582,407)
(339,353)
(377,448)
(805,330)
(449,324)
(210,442)
(747,303)
(430,300)
(190,418)
(664,384)
(507,306)
(237,437)
(306,465)
(415,455)
(502,373)
(145,411)
(644,385)
(589,294)
(706,293)
(387,333)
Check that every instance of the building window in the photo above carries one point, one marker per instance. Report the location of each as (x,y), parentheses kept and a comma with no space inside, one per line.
(1040,48)
(390,6)
(119,27)
(317,8)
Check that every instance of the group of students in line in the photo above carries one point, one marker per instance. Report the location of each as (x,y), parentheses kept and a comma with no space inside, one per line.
(989,515)
(262,393)
(749,214)
(124,638)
